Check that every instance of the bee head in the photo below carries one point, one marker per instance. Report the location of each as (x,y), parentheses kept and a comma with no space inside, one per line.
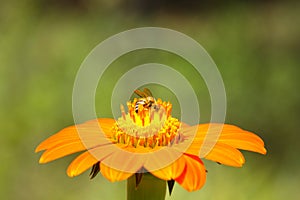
(150,99)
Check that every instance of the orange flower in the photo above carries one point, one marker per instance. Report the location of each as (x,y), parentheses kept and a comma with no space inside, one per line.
(149,139)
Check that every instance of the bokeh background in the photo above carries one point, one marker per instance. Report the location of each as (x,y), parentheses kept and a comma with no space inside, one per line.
(255,44)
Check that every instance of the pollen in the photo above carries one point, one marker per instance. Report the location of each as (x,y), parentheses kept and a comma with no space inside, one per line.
(147,126)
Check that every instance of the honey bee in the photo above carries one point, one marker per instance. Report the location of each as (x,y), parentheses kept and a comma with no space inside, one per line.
(147,100)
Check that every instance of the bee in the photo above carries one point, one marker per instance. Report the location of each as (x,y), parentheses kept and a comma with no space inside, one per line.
(147,100)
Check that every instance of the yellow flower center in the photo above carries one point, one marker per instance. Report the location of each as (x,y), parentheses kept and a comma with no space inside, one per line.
(147,125)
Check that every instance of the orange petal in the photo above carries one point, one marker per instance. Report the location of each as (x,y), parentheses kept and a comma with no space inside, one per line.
(172,171)
(123,160)
(88,159)
(112,174)
(61,150)
(66,134)
(230,135)
(74,139)
(244,140)
(81,164)
(194,175)
(226,155)
(191,144)
(162,158)
(87,132)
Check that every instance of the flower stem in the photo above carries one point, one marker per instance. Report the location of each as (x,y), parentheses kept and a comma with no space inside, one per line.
(149,188)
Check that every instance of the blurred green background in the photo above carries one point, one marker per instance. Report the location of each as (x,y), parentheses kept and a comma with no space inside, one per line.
(255,45)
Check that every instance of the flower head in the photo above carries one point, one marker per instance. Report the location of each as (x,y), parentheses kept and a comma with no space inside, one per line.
(148,139)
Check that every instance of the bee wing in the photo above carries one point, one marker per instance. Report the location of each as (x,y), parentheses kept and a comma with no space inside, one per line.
(148,92)
(140,93)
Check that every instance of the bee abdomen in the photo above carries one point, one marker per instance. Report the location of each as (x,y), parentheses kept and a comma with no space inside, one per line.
(140,102)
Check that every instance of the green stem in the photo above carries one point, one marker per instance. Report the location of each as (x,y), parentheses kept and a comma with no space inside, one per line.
(149,188)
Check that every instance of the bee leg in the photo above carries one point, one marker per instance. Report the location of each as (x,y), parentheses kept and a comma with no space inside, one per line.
(156,107)
(219,163)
